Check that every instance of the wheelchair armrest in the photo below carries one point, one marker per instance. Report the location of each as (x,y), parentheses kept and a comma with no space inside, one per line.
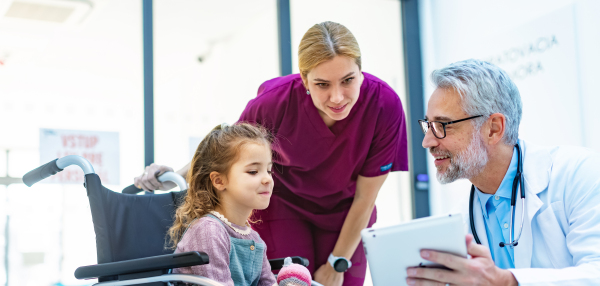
(167,261)
(277,264)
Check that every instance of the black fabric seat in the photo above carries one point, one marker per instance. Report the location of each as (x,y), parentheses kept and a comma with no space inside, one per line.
(129,226)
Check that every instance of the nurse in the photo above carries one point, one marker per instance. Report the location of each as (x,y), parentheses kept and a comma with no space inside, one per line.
(339,132)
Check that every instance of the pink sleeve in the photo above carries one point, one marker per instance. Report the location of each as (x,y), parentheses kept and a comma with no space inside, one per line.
(211,237)
(266,277)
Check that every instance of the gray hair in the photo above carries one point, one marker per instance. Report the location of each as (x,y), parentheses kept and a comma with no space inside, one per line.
(484,89)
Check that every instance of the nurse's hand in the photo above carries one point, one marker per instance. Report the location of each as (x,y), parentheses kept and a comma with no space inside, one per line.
(148,180)
(326,275)
(478,270)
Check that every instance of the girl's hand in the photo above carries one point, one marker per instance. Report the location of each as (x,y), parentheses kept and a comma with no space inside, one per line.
(326,275)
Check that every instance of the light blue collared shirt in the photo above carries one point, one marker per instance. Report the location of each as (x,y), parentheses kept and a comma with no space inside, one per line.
(496,213)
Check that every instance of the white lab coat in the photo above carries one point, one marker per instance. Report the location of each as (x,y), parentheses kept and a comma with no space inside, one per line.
(560,244)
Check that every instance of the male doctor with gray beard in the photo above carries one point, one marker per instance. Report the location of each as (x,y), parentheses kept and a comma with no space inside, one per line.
(550,233)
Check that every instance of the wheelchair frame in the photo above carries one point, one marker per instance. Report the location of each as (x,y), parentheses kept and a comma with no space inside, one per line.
(151,271)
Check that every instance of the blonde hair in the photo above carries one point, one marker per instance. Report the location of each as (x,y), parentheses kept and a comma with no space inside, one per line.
(324,41)
(216,153)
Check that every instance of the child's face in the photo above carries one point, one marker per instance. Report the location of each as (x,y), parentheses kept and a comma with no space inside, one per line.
(249,183)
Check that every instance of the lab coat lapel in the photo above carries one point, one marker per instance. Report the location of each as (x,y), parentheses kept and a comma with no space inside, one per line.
(537,165)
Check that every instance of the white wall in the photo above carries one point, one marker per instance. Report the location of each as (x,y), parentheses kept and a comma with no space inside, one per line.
(239,46)
(85,76)
(555,77)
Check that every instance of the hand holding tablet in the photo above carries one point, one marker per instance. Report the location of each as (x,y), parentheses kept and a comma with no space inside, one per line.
(404,254)
(391,250)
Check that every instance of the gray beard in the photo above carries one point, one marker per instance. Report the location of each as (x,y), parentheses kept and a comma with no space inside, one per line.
(466,164)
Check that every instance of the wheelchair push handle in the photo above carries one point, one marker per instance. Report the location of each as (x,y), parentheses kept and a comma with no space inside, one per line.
(55,166)
(175,178)
(166,177)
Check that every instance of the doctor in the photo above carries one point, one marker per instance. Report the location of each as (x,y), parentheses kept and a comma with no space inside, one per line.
(471,129)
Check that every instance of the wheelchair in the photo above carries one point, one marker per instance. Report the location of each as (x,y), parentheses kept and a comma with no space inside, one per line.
(131,231)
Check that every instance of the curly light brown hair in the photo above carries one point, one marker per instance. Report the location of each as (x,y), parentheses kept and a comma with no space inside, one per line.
(216,153)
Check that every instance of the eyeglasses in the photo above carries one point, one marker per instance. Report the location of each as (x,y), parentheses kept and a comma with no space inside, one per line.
(438,127)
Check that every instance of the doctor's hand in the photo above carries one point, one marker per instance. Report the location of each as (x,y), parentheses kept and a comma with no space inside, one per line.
(478,270)
(327,276)
(148,180)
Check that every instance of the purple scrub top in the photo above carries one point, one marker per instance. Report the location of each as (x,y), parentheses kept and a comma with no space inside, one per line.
(316,167)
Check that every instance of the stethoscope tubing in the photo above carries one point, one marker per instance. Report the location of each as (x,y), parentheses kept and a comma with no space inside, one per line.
(517,182)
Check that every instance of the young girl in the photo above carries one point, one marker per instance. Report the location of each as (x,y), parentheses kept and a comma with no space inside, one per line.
(230,176)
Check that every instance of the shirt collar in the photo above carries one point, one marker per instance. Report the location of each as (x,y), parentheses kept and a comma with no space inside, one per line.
(505,189)
(483,199)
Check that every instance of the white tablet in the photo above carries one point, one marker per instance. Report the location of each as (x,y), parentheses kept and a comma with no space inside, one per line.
(390,250)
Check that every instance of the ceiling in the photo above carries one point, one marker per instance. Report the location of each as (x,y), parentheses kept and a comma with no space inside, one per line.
(48,28)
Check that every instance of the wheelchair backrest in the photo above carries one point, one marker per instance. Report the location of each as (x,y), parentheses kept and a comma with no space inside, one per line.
(130,226)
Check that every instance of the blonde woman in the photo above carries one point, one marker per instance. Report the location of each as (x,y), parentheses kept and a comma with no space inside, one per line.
(340,132)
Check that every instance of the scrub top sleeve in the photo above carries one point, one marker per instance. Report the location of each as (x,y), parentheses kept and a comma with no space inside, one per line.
(262,87)
(389,148)
(267,108)
(210,236)
(252,112)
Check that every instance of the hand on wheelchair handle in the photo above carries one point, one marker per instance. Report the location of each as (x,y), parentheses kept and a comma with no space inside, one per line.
(148,180)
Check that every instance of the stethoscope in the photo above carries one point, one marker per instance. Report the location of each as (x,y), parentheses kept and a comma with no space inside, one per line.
(518,181)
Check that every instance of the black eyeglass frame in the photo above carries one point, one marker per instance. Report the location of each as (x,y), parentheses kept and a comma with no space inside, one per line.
(422,123)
